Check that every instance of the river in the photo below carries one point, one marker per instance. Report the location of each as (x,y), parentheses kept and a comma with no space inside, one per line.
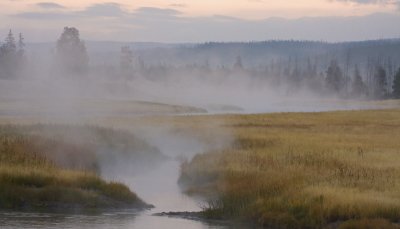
(157,186)
(164,194)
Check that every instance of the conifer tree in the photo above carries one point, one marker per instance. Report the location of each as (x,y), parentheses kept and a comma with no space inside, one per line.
(396,85)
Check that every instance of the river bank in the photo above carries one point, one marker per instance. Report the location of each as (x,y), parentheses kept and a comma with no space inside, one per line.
(57,167)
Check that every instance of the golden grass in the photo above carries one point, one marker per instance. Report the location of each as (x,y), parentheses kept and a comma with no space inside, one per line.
(54,167)
(288,170)
(302,169)
(50,188)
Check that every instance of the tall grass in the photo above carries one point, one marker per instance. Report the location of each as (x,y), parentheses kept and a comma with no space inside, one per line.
(53,166)
(303,170)
(37,188)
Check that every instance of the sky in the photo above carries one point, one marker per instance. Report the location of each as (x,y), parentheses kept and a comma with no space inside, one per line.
(180,21)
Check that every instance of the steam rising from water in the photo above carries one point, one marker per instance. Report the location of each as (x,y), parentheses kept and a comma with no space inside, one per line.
(83,99)
(158,184)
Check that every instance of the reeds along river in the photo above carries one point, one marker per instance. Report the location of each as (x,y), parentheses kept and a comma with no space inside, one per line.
(157,186)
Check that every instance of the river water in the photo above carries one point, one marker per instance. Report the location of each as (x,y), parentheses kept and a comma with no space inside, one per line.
(156,186)
(164,194)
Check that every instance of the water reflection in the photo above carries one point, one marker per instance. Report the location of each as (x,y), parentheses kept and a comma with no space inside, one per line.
(157,186)
(14,220)
(120,220)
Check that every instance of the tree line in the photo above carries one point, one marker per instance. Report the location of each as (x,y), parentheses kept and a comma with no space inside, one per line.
(377,80)
(70,58)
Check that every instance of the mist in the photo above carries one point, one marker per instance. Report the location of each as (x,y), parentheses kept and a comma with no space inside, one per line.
(113,85)
(54,80)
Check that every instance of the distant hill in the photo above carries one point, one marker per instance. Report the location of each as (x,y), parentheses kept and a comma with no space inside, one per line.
(255,53)
(252,53)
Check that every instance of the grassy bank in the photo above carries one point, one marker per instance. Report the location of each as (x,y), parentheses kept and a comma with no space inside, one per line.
(86,109)
(57,166)
(302,170)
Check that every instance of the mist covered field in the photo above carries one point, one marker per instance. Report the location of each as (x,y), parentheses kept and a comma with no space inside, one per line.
(313,169)
(213,135)
(281,169)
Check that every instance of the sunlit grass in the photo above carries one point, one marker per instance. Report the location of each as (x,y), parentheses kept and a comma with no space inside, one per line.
(303,169)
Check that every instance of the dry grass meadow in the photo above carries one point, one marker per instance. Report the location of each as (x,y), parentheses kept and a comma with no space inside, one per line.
(284,170)
(303,170)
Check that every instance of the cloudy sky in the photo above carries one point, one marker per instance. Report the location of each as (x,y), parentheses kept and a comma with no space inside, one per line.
(176,21)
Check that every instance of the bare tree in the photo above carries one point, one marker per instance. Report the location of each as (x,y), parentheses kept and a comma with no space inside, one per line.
(126,61)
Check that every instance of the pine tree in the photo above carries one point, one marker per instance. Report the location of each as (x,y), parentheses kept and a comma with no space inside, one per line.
(334,77)
(8,57)
(9,43)
(358,87)
(396,85)
(380,80)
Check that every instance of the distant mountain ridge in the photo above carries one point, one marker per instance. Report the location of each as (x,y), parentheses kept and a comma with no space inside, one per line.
(225,53)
